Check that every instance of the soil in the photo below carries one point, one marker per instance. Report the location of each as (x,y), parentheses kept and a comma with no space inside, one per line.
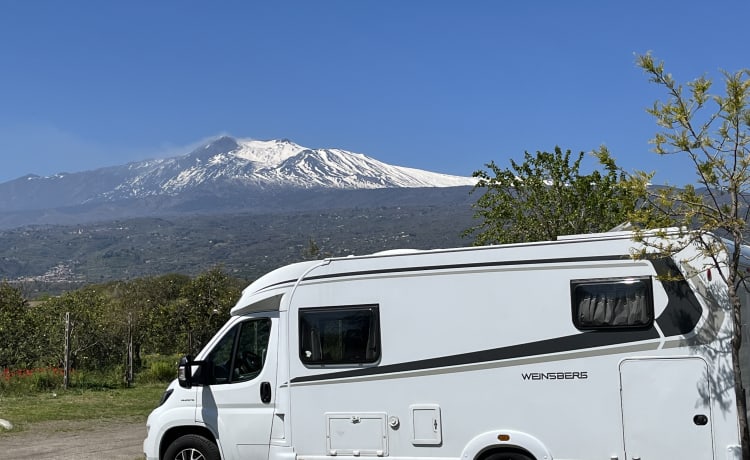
(81,440)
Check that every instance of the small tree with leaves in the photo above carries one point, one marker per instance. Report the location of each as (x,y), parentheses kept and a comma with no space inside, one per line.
(204,306)
(546,196)
(93,343)
(16,338)
(711,131)
(313,251)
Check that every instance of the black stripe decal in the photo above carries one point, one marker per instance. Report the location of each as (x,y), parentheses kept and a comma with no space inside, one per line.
(683,309)
(679,317)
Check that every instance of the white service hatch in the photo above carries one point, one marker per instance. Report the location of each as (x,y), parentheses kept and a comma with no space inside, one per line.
(357,434)
(427,426)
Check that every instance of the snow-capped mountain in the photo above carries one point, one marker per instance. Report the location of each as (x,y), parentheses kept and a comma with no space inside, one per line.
(271,164)
(220,173)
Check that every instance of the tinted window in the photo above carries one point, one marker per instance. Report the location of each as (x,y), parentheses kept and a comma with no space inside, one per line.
(341,335)
(621,303)
(240,354)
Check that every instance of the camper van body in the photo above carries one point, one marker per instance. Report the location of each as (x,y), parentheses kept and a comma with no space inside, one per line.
(483,353)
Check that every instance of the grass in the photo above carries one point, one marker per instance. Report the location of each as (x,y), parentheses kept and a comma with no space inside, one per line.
(80,404)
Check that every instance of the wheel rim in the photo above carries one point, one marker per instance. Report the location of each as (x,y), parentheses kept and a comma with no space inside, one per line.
(189,454)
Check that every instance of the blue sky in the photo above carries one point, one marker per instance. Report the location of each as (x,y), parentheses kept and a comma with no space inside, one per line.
(437,85)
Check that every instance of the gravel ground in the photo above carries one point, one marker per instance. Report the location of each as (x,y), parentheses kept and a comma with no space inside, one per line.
(89,440)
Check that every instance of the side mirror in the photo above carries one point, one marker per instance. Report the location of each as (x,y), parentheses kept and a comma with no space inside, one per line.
(185,372)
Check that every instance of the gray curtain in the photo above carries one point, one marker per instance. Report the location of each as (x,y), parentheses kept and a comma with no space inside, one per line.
(613,305)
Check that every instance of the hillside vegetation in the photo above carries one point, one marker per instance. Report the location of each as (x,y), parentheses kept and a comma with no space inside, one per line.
(52,259)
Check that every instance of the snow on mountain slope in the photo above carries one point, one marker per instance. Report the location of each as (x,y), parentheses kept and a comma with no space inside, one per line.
(267,153)
(270,164)
(341,169)
(225,167)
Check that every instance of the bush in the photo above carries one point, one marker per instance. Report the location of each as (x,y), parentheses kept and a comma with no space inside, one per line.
(47,379)
(23,381)
(158,369)
(100,379)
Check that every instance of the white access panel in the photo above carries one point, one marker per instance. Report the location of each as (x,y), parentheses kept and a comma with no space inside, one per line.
(426,425)
(356,434)
(666,412)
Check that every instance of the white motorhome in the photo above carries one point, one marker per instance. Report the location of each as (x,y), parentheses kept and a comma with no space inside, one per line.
(559,350)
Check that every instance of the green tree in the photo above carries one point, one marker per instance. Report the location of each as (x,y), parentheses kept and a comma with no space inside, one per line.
(546,196)
(156,298)
(711,131)
(94,343)
(15,337)
(204,306)
(313,251)
(136,318)
(139,310)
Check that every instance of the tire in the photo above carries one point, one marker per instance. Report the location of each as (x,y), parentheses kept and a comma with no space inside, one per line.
(508,456)
(192,447)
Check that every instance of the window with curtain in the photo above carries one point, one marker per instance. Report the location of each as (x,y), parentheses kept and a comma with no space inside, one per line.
(612,303)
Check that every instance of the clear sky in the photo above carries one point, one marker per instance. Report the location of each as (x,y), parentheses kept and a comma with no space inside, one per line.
(445,86)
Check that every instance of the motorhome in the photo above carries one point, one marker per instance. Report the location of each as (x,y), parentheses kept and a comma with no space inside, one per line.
(569,349)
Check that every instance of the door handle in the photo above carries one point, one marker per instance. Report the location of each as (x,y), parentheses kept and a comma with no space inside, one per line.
(265,392)
(700,420)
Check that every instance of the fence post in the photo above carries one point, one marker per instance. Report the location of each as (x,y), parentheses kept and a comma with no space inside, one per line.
(66,352)
(129,371)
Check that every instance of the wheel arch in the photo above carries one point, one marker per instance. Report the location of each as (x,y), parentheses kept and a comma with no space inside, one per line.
(504,449)
(504,441)
(172,434)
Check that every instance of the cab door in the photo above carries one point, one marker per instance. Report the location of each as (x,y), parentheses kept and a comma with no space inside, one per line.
(237,400)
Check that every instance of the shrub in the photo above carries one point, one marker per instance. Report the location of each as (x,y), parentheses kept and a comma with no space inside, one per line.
(46,379)
(158,368)
(23,381)
(99,379)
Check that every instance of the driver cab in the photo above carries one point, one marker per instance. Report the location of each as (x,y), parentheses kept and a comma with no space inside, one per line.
(235,397)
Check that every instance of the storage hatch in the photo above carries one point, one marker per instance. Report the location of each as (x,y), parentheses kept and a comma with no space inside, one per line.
(357,434)
(426,425)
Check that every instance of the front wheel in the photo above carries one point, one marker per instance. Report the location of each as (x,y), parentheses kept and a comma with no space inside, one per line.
(192,447)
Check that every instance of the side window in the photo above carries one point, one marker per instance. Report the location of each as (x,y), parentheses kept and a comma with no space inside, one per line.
(339,335)
(220,358)
(240,354)
(612,303)
(252,348)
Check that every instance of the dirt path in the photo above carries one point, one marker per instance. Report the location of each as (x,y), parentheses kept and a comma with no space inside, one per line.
(89,440)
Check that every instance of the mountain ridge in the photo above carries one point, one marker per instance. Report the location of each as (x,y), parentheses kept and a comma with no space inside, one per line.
(226,168)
